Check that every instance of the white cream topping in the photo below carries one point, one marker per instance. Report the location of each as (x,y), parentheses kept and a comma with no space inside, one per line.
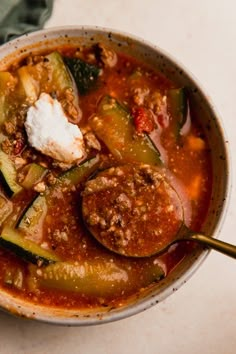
(49,131)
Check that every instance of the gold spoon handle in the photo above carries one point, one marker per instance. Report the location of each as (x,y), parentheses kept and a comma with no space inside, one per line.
(223,247)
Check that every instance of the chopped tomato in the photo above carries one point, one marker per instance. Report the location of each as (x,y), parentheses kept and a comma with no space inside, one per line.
(142,120)
(19,145)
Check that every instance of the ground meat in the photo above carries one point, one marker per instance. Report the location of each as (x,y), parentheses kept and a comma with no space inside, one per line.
(21,114)
(60,236)
(7,146)
(131,209)
(158,104)
(93,219)
(99,184)
(29,154)
(19,143)
(139,94)
(148,176)
(40,187)
(62,165)
(10,126)
(155,102)
(91,141)
(74,113)
(106,56)
(19,162)
(34,59)
(124,202)
(51,179)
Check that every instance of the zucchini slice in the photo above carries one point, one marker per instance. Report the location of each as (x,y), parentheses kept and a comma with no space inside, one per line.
(85,74)
(60,76)
(31,221)
(95,277)
(33,173)
(50,76)
(114,126)
(6,209)
(28,83)
(177,108)
(78,174)
(7,82)
(14,241)
(8,172)
(23,241)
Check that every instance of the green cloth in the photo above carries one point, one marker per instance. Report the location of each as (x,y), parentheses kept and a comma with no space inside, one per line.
(21,16)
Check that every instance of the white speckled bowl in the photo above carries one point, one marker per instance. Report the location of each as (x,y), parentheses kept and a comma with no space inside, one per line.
(212,127)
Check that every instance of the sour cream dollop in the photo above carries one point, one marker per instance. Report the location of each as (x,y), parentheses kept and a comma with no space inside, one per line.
(49,131)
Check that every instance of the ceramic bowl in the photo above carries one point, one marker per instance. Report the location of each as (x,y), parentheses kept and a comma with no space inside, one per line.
(212,126)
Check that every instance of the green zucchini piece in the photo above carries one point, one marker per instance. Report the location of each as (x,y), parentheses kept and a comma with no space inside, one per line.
(95,277)
(177,108)
(50,76)
(33,174)
(60,76)
(85,74)
(8,172)
(29,84)
(78,174)
(31,221)
(6,209)
(114,126)
(7,81)
(14,241)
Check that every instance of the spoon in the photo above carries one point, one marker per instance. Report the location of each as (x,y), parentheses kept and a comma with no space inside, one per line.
(133,210)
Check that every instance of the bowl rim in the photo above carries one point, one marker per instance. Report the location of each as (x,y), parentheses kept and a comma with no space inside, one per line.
(21,42)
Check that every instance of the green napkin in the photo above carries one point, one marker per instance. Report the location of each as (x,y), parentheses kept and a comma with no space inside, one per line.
(21,16)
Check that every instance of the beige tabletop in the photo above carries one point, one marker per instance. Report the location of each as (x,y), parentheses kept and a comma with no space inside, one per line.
(201,316)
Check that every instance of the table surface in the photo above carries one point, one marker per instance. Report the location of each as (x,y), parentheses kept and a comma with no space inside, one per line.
(201,316)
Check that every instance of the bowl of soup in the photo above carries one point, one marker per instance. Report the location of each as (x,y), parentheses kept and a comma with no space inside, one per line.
(82,102)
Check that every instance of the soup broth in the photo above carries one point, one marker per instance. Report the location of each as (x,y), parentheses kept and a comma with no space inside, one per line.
(125,113)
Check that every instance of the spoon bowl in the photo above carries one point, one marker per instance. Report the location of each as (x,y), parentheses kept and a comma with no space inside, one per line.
(134,210)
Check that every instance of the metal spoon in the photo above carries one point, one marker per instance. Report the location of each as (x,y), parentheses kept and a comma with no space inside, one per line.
(111,205)
(185,234)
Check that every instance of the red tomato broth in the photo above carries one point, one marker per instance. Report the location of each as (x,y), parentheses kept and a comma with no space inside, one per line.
(64,212)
